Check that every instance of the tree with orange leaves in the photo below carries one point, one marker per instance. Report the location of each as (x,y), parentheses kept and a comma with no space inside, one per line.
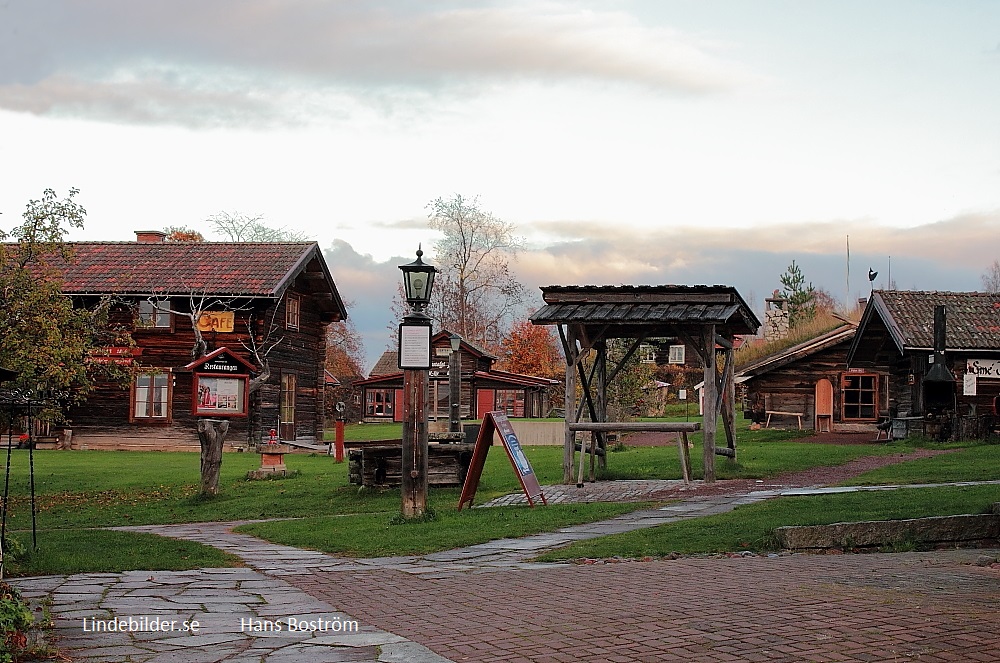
(183,234)
(531,350)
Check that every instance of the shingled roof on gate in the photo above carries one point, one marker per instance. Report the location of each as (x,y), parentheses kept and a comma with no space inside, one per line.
(647,306)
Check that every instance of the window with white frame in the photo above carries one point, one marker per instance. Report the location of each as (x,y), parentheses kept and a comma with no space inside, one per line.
(676,355)
(151,397)
(292,308)
(647,354)
(155,313)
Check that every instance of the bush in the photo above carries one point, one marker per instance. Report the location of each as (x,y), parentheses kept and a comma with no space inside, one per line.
(15,620)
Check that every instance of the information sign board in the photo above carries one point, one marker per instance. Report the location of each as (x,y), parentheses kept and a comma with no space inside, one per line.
(498,422)
(414,347)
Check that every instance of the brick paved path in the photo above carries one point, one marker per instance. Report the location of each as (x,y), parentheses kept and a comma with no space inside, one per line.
(926,607)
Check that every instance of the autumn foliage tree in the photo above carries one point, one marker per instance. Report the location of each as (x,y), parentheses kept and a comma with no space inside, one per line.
(345,360)
(531,350)
(183,234)
(47,340)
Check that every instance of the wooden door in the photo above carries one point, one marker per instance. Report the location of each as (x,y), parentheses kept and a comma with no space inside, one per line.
(397,406)
(824,406)
(485,401)
(286,410)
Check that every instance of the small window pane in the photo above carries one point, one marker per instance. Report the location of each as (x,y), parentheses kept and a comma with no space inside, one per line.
(154,314)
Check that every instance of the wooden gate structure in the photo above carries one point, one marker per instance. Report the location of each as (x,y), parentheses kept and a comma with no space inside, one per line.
(705,318)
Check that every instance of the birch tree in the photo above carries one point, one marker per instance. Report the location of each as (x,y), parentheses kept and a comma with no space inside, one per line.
(475,294)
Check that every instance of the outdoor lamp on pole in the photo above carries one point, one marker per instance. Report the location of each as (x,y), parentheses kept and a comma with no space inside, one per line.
(455,384)
(418,281)
(415,362)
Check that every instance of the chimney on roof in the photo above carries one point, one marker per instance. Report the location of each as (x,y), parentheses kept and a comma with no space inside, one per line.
(150,236)
(775,317)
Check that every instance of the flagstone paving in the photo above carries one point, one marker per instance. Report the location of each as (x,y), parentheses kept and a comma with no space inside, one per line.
(490,602)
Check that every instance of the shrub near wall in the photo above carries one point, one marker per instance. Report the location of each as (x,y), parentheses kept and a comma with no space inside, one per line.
(15,620)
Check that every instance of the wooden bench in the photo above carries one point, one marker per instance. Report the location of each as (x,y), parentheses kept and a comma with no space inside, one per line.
(797,415)
(646,426)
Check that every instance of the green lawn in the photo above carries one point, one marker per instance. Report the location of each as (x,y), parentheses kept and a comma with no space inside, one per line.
(79,490)
(364,536)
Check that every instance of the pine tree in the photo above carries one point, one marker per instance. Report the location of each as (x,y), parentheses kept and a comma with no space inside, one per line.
(801,297)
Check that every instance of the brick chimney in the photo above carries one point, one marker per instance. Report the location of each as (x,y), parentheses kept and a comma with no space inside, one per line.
(150,236)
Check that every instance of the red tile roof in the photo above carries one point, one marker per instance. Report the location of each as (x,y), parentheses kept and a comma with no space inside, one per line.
(214,268)
(973,318)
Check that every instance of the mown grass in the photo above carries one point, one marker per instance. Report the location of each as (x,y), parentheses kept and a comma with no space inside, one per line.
(975,463)
(363,536)
(76,491)
(760,454)
(751,527)
(109,551)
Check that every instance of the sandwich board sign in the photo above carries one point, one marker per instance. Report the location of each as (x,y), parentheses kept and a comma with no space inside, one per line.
(498,422)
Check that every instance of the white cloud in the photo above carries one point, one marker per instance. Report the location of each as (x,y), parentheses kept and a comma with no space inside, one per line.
(232,61)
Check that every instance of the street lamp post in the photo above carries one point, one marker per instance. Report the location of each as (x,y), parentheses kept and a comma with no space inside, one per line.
(415,361)
(455,384)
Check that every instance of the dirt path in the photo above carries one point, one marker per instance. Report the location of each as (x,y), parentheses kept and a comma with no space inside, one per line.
(817,476)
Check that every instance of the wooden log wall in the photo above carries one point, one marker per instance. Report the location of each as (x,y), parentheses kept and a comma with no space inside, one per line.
(381,466)
(104,419)
(792,388)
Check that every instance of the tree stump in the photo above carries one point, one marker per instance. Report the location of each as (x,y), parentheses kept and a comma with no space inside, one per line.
(212,434)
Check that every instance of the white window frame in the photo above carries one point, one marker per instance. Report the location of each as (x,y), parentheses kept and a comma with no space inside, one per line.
(676,355)
(647,354)
(145,395)
(293,311)
(155,314)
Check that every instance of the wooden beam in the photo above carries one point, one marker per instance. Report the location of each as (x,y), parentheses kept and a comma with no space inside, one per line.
(628,355)
(711,403)
(694,343)
(572,359)
(729,409)
(634,426)
(591,297)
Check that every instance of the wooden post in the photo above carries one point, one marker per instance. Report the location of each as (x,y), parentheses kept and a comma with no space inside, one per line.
(711,403)
(729,401)
(602,406)
(414,458)
(685,456)
(455,391)
(569,447)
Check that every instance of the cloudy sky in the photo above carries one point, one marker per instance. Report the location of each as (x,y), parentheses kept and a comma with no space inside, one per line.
(647,142)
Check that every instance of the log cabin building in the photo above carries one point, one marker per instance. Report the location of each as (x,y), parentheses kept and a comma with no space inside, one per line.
(483,388)
(896,336)
(810,383)
(279,296)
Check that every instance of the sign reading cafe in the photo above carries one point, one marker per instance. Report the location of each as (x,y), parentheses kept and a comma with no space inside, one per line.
(983,368)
